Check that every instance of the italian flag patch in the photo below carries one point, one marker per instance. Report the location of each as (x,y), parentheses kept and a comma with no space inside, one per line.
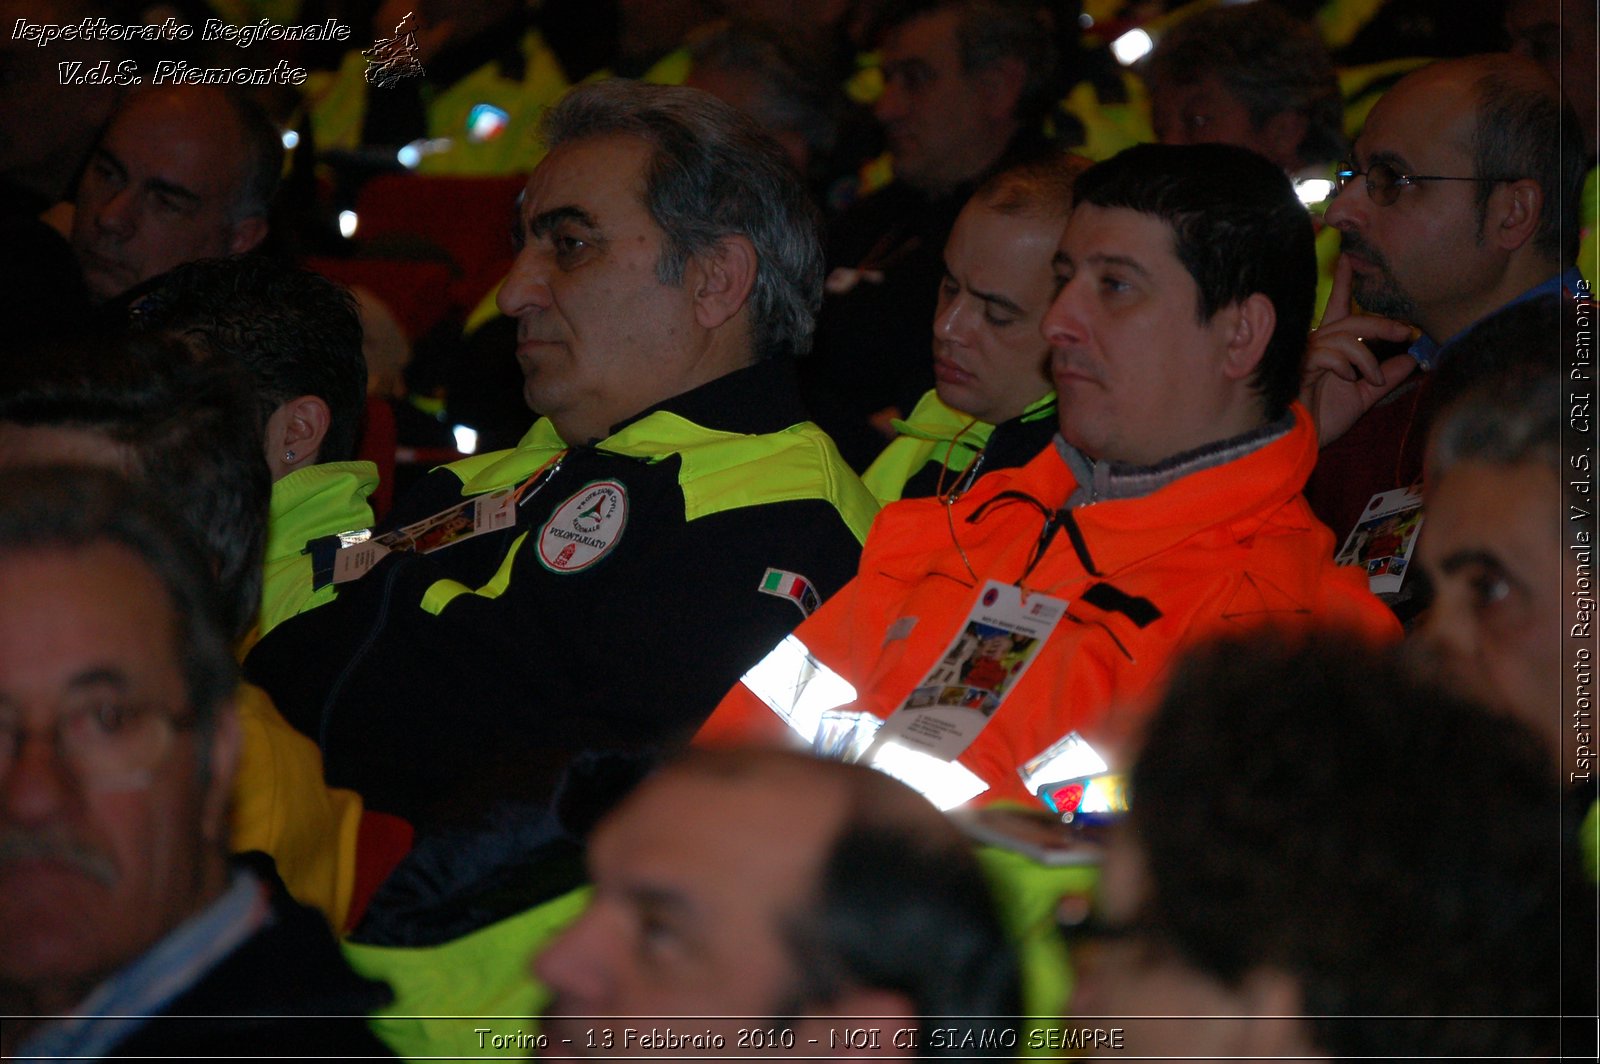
(792,586)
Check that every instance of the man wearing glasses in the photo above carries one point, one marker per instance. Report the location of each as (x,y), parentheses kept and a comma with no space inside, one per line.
(1460,199)
(124,926)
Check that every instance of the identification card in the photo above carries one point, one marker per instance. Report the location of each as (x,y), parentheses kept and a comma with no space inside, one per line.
(1383,540)
(1001,636)
(473,517)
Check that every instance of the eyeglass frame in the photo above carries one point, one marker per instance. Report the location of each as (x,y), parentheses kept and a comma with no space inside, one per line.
(1346,173)
(14,733)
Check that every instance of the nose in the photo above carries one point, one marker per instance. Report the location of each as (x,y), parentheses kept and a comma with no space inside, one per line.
(526,288)
(953,319)
(1447,638)
(574,965)
(1063,324)
(892,104)
(119,214)
(36,783)
(1347,209)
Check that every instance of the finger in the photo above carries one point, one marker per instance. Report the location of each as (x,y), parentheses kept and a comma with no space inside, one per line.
(1339,294)
(1336,347)
(1372,327)
(1352,360)
(1392,372)
(1340,351)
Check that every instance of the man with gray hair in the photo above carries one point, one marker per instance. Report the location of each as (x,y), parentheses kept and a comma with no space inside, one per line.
(1504,496)
(181,172)
(1252,76)
(126,931)
(668,517)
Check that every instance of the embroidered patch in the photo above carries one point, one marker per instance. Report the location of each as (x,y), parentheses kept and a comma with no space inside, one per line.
(792,586)
(584,528)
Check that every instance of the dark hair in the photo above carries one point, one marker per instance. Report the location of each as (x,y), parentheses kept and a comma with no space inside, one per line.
(263,146)
(296,333)
(713,173)
(1498,397)
(46,508)
(1237,227)
(187,426)
(900,903)
(1311,808)
(988,31)
(1525,129)
(897,910)
(796,95)
(1270,61)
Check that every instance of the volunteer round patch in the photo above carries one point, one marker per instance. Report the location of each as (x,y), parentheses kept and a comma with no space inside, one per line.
(584,528)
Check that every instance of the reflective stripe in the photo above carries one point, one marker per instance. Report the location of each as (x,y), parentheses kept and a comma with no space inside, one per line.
(443,592)
(845,735)
(798,687)
(946,784)
(806,695)
(1068,758)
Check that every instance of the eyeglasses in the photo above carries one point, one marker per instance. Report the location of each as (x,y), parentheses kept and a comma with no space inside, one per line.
(106,743)
(1384,180)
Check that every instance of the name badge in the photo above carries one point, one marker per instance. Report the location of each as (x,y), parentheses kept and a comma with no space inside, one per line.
(991,652)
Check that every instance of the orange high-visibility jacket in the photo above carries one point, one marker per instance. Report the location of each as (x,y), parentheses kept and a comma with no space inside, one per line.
(1215,550)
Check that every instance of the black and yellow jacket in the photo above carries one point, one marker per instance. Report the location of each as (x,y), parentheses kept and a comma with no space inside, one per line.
(937,444)
(644,574)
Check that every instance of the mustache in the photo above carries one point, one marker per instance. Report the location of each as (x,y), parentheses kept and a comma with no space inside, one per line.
(16,846)
(1352,244)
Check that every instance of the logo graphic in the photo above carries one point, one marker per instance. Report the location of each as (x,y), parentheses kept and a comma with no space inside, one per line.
(989,596)
(583,529)
(394,58)
(599,505)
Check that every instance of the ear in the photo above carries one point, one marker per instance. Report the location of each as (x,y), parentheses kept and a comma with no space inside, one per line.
(1513,215)
(1282,134)
(722,280)
(222,763)
(246,234)
(1249,326)
(1001,86)
(295,432)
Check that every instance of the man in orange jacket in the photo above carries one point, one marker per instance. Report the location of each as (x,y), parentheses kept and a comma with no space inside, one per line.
(1169,507)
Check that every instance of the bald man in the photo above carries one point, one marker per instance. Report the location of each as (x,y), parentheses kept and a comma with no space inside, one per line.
(743,884)
(180,173)
(1460,199)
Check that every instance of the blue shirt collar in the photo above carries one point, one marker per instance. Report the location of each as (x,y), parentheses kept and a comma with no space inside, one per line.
(1428,352)
(123,1003)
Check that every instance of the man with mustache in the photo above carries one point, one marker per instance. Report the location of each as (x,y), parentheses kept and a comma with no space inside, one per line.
(1167,509)
(125,929)
(1460,199)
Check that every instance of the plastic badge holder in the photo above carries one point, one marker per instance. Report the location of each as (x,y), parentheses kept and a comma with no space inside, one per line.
(1089,800)
(1068,758)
